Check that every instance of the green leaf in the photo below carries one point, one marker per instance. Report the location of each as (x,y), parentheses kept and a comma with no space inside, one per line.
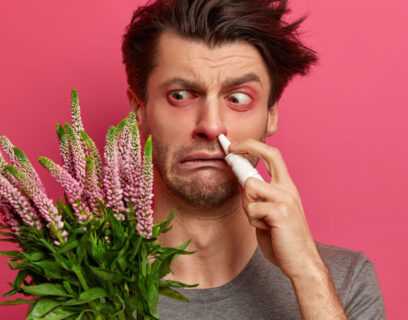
(164,260)
(16,301)
(42,307)
(106,310)
(22,274)
(46,289)
(80,253)
(11,254)
(68,246)
(50,269)
(135,249)
(170,293)
(67,286)
(81,315)
(10,293)
(105,275)
(177,284)
(87,296)
(153,295)
(59,314)
(134,303)
(34,256)
(161,227)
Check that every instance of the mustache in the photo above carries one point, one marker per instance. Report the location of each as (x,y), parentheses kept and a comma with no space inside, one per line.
(200,146)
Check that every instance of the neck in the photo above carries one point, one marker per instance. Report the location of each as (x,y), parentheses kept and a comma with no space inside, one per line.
(223,239)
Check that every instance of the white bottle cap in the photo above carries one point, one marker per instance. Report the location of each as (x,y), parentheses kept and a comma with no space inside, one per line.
(242,168)
(225,143)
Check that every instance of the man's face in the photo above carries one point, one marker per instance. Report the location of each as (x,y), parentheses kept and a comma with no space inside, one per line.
(194,94)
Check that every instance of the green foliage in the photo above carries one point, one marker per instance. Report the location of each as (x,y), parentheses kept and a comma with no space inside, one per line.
(105,268)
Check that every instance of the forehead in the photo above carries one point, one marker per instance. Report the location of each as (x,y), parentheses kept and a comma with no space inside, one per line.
(180,56)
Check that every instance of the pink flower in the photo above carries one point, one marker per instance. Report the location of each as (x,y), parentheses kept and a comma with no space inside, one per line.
(92,189)
(19,159)
(144,207)
(95,177)
(111,179)
(72,188)
(78,155)
(8,217)
(42,203)
(20,205)
(65,151)
(7,174)
(130,161)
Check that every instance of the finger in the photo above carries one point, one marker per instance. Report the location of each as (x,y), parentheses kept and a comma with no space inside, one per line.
(262,215)
(270,155)
(260,191)
(257,190)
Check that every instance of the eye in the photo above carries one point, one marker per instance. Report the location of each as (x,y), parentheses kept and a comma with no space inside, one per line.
(180,95)
(239,99)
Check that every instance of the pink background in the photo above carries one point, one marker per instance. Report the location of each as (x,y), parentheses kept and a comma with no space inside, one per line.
(342,131)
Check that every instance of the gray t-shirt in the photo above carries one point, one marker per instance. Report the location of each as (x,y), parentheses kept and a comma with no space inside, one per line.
(262,291)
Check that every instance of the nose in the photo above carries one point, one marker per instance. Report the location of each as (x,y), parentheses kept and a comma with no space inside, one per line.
(210,122)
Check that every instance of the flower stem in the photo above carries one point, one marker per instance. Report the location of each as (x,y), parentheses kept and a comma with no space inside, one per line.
(80,277)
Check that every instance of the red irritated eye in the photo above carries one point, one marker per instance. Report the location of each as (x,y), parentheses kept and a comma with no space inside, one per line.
(239,100)
(180,97)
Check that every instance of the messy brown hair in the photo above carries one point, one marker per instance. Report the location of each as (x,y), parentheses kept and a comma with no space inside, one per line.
(216,22)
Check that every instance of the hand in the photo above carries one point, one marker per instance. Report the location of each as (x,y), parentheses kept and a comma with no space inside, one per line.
(275,209)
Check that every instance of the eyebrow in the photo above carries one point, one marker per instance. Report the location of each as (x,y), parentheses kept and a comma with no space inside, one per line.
(227,84)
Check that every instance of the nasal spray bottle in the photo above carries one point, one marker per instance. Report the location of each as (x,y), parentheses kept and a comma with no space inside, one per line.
(242,168)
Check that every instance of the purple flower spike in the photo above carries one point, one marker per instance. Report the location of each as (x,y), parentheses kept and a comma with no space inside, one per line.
(27,168)
(92,189)
(77,121)
(76,112)
(145,213)
(125,141)
(72,188)
(111,179)
(78,155)
(43,204)
(8,218)
(95,157)
(135,166)
(19,203)
(7,174)
(7,146)
(130,162)
(65,150)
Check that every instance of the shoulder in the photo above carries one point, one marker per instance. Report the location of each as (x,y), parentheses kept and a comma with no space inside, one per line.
(343,262)
(355,279)
(338,257)
(346,266)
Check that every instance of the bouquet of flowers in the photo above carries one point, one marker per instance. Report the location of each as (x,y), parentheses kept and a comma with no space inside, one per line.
(96,255)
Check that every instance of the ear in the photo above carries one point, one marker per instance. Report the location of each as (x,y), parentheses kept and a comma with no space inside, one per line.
(136,106)
(272,125)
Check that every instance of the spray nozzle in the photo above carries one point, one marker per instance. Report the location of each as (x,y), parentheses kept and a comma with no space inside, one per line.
(225,143)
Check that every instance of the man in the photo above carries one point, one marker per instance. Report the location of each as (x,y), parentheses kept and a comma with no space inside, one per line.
(198,69)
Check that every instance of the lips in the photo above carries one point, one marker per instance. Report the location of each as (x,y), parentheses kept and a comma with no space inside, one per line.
(200,160)
(203,156)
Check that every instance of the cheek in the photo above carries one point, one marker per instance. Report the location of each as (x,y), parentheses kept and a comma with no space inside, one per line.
(249,124)
(170,125)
